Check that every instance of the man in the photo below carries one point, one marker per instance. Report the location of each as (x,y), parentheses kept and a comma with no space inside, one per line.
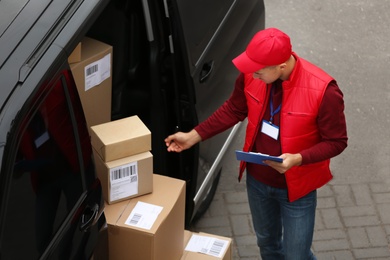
(295,111)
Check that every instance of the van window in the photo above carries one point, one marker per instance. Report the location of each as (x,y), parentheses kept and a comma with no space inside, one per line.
(201,20)
(46,182)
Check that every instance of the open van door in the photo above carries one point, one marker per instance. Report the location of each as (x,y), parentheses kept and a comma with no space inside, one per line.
(212,33)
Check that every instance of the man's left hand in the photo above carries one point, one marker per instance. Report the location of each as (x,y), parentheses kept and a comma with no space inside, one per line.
(289,160)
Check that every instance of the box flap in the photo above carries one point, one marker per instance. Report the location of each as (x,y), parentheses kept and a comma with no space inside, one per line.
(113,212)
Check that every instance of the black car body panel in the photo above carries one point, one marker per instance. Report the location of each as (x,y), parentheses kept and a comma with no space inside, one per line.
(37,222)
(171,67)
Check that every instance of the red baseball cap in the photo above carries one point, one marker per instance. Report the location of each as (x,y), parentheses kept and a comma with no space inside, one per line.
(268,47)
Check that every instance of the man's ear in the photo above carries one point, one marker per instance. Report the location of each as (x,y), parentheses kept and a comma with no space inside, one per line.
(283,66)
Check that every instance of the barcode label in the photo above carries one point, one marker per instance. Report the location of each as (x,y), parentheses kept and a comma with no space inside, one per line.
(96,72)
(216,248)
(123,172)
(135,219)
(143,215)
(123,181)
(207,245)
(92,69)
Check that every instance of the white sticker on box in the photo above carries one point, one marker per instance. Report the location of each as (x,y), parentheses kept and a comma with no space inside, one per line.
(143,215)
(207,245)
(124,181)
(98,71)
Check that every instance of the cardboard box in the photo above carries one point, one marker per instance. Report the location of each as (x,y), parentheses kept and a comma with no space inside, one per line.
(165,239)
(121,138)
(126,177)
(93,79)
(75,56)
(216,248)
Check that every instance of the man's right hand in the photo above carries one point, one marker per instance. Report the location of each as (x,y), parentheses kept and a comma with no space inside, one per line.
(180,141)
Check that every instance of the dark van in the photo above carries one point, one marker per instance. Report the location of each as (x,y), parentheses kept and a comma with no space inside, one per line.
(171,66)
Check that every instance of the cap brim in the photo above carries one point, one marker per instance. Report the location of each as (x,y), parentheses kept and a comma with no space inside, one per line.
(245,64)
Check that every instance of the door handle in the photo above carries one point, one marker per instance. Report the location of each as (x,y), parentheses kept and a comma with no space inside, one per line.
(206,71)
(88,217)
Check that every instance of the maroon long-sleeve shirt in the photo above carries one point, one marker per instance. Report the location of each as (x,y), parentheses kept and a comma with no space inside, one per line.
(331,123)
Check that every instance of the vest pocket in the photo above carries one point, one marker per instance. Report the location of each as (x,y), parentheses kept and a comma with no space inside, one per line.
(251,98)
(300,114)
(297,124)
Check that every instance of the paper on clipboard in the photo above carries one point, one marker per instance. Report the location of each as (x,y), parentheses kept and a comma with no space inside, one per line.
(256,157)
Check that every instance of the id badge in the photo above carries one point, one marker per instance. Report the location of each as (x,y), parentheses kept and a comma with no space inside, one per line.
(270,129)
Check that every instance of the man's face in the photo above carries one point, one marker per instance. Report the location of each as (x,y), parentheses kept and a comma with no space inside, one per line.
(268,74)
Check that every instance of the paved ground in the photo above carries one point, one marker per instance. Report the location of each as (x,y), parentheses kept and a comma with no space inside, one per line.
(350,40)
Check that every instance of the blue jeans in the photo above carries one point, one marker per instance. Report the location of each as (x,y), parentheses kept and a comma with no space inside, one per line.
(284,229)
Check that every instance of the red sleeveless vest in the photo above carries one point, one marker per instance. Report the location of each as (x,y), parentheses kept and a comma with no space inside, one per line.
(302,96)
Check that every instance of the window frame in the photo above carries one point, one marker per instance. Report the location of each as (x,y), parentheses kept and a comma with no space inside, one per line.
(22,119)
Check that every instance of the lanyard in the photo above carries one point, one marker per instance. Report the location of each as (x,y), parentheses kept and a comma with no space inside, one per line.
(271,104)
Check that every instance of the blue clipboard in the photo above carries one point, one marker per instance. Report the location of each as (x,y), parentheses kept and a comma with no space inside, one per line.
(256,157)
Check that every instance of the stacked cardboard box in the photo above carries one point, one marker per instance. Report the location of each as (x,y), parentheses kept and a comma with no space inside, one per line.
(123,160)
(132,235)
(144,211)
(90,63)
(149,227)
(147,222)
